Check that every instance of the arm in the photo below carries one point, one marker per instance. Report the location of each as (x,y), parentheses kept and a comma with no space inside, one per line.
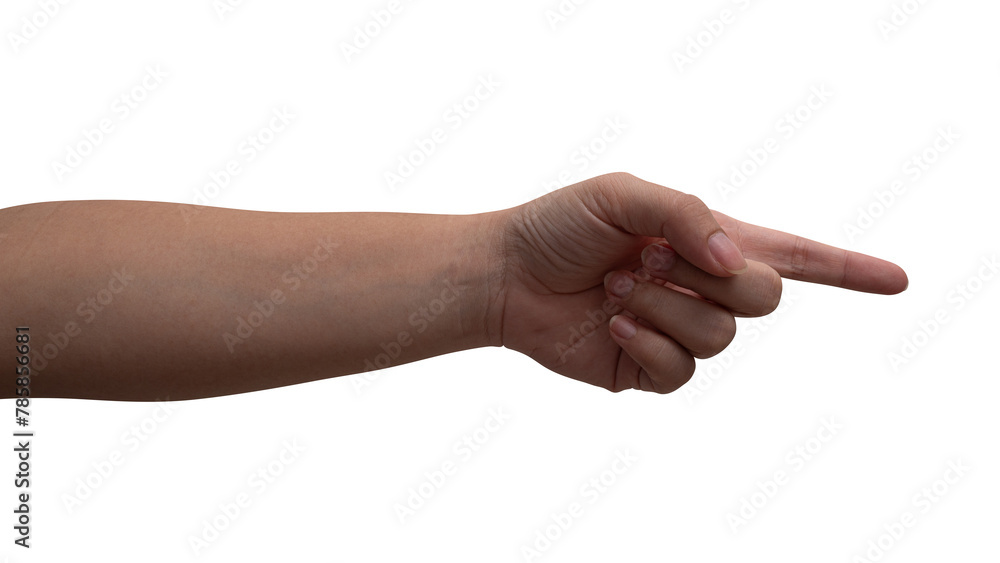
(157,292)
(613,281)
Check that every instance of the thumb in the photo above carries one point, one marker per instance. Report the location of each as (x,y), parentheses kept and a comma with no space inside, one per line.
(647,209)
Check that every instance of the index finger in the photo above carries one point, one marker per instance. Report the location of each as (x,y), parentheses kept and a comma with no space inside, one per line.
(799,258)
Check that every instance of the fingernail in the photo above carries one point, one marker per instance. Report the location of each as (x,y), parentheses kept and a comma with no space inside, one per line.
(658,258)
(726,253)
(619,284)
(623,327)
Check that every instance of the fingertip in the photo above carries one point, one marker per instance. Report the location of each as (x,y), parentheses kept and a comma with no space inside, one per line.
(893,279)
(874,275)
(902,281)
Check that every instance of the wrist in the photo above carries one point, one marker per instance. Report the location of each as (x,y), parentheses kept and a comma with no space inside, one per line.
(489,269)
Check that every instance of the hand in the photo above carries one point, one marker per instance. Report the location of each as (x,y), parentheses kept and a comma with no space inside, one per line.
(682,271)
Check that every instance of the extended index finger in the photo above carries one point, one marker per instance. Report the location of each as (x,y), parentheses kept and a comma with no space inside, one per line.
(799,258)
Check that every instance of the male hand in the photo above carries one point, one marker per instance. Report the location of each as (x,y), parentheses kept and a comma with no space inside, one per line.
(672,272)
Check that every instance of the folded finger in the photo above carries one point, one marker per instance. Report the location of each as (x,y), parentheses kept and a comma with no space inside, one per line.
(755,293)
(702,328)
(666,364)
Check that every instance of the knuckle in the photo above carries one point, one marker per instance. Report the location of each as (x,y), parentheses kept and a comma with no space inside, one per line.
(769,293)
(607,192)
(621,176)
(647,298)
(800,256)
(719,333)
(687,203)
(686,369)
(679,373)
(617,180)
(659,362)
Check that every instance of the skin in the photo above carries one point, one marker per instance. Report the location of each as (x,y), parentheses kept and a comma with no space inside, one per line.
(154,288)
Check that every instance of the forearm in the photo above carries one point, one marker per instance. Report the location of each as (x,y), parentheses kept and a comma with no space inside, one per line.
(144,301)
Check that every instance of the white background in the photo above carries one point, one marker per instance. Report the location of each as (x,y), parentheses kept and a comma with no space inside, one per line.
(700,452)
